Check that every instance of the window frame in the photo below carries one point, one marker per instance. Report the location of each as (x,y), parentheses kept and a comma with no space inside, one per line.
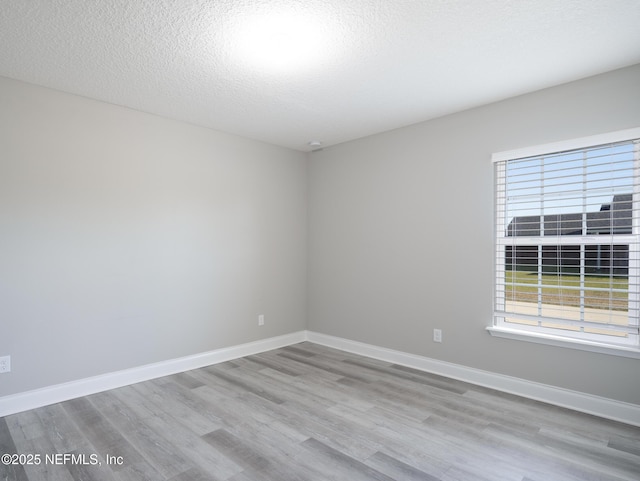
(550,336)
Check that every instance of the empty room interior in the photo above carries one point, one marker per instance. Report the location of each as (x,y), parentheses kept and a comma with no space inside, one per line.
(347,240)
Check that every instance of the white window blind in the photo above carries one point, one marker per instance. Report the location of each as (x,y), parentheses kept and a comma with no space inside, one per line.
(567,243)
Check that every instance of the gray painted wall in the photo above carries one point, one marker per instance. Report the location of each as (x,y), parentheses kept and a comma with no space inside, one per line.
(127,239)
(401,233)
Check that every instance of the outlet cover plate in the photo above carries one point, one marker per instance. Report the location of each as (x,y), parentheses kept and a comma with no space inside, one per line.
(437,335)
(5,364)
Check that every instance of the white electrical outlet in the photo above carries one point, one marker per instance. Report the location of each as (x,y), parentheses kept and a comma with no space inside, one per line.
(261,320)
(5,364)
(437,335)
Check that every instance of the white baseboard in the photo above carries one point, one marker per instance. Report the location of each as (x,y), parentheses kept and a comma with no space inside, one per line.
(83,387)
(578,401)
(587,403)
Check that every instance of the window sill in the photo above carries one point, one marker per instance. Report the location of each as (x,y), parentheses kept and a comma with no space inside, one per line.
(506,333)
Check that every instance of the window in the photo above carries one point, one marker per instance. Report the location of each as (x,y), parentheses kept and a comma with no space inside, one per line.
(567,241)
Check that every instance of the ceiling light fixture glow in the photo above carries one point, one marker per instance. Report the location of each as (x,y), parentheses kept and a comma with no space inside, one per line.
(281,42)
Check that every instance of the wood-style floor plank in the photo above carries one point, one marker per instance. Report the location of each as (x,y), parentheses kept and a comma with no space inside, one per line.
(9,471)
(311,413)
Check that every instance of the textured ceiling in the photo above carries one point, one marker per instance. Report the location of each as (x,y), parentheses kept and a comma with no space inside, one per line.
(287,72)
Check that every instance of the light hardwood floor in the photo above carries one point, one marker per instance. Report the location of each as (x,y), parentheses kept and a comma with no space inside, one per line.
(307,412)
